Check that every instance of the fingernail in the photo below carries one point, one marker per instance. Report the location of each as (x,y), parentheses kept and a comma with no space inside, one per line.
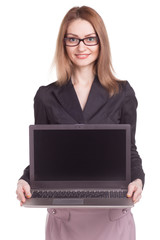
(128,195)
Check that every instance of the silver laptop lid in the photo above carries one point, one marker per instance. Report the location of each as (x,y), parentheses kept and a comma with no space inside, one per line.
(80,156)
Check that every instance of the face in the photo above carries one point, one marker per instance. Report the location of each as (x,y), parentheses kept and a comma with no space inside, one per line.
(82,55)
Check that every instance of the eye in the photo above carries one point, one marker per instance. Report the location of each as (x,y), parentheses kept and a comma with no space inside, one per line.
(72,40)
(91,39)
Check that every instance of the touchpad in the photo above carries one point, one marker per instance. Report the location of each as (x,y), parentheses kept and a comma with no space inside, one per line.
(59,201)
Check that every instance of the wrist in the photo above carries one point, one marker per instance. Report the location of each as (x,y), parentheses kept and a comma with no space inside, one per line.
(139,182)
(20,181)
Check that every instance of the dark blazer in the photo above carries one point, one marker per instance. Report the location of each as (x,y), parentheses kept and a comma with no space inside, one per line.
(59,105)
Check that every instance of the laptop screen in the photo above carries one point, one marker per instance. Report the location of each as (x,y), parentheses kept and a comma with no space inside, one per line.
(79,154)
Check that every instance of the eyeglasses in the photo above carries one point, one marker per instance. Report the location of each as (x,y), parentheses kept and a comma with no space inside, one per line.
(89,41)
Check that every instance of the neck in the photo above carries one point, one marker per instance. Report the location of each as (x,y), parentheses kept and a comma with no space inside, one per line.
(83,76)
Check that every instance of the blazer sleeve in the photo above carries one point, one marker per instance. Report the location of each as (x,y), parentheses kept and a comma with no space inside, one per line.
(40,116)
(129,116)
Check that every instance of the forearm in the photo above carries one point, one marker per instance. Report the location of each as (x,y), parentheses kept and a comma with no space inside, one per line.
(136,166)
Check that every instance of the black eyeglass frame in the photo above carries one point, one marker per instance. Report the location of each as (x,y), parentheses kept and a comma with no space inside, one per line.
(81,40)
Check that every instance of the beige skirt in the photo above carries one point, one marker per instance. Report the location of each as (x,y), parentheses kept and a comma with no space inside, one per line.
(90,224)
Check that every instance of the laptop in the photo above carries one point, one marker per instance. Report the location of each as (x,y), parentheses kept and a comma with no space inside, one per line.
(80,165)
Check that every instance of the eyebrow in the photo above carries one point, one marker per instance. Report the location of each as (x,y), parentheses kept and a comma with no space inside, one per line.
(78,36)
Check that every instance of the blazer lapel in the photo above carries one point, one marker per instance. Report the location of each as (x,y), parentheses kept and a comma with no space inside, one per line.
(97,98)
(69,101)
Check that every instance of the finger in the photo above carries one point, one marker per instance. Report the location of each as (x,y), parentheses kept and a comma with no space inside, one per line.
(26,189)
(137,194)
(20,194)
(137,199)
(21,197)
(131,190)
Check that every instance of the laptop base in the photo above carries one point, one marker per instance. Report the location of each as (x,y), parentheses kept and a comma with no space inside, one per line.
(78,203)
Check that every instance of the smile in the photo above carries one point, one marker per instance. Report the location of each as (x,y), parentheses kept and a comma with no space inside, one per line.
(82,56)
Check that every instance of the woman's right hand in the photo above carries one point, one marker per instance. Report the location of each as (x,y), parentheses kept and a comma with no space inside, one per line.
(23,191)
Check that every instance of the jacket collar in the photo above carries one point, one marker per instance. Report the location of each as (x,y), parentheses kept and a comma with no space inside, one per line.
(68,98)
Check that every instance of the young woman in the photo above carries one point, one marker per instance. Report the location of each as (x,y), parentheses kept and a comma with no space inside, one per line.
(87,92)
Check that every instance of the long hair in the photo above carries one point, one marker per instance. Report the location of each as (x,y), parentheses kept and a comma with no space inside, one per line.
(103,66)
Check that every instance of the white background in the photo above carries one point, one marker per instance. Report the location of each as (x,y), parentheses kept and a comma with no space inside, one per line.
(28,35)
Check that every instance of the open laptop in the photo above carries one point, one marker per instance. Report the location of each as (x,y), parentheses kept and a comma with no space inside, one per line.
(81,165)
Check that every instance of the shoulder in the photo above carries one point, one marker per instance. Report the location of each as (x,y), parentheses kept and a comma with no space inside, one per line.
(126,89)
(128,94)
(45,92)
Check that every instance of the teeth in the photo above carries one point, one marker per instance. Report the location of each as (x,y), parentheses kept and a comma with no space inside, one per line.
(84,55)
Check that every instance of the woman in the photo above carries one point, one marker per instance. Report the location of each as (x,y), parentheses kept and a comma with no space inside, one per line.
(87,92)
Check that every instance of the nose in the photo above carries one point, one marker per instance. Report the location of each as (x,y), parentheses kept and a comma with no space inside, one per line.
(81,46)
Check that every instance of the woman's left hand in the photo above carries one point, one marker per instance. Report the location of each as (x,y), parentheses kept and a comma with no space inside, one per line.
(135,190)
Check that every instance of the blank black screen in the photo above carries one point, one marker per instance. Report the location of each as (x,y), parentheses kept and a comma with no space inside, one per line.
(80,155)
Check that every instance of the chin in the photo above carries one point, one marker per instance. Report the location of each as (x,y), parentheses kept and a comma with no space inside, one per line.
(83,63)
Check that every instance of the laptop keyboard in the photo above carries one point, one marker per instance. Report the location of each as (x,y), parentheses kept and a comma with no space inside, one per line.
(79,194)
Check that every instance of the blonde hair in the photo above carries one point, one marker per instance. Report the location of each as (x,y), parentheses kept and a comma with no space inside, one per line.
(103,66)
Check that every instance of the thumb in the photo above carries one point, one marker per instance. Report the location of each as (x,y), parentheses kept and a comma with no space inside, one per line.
(131,189)
(26,189)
